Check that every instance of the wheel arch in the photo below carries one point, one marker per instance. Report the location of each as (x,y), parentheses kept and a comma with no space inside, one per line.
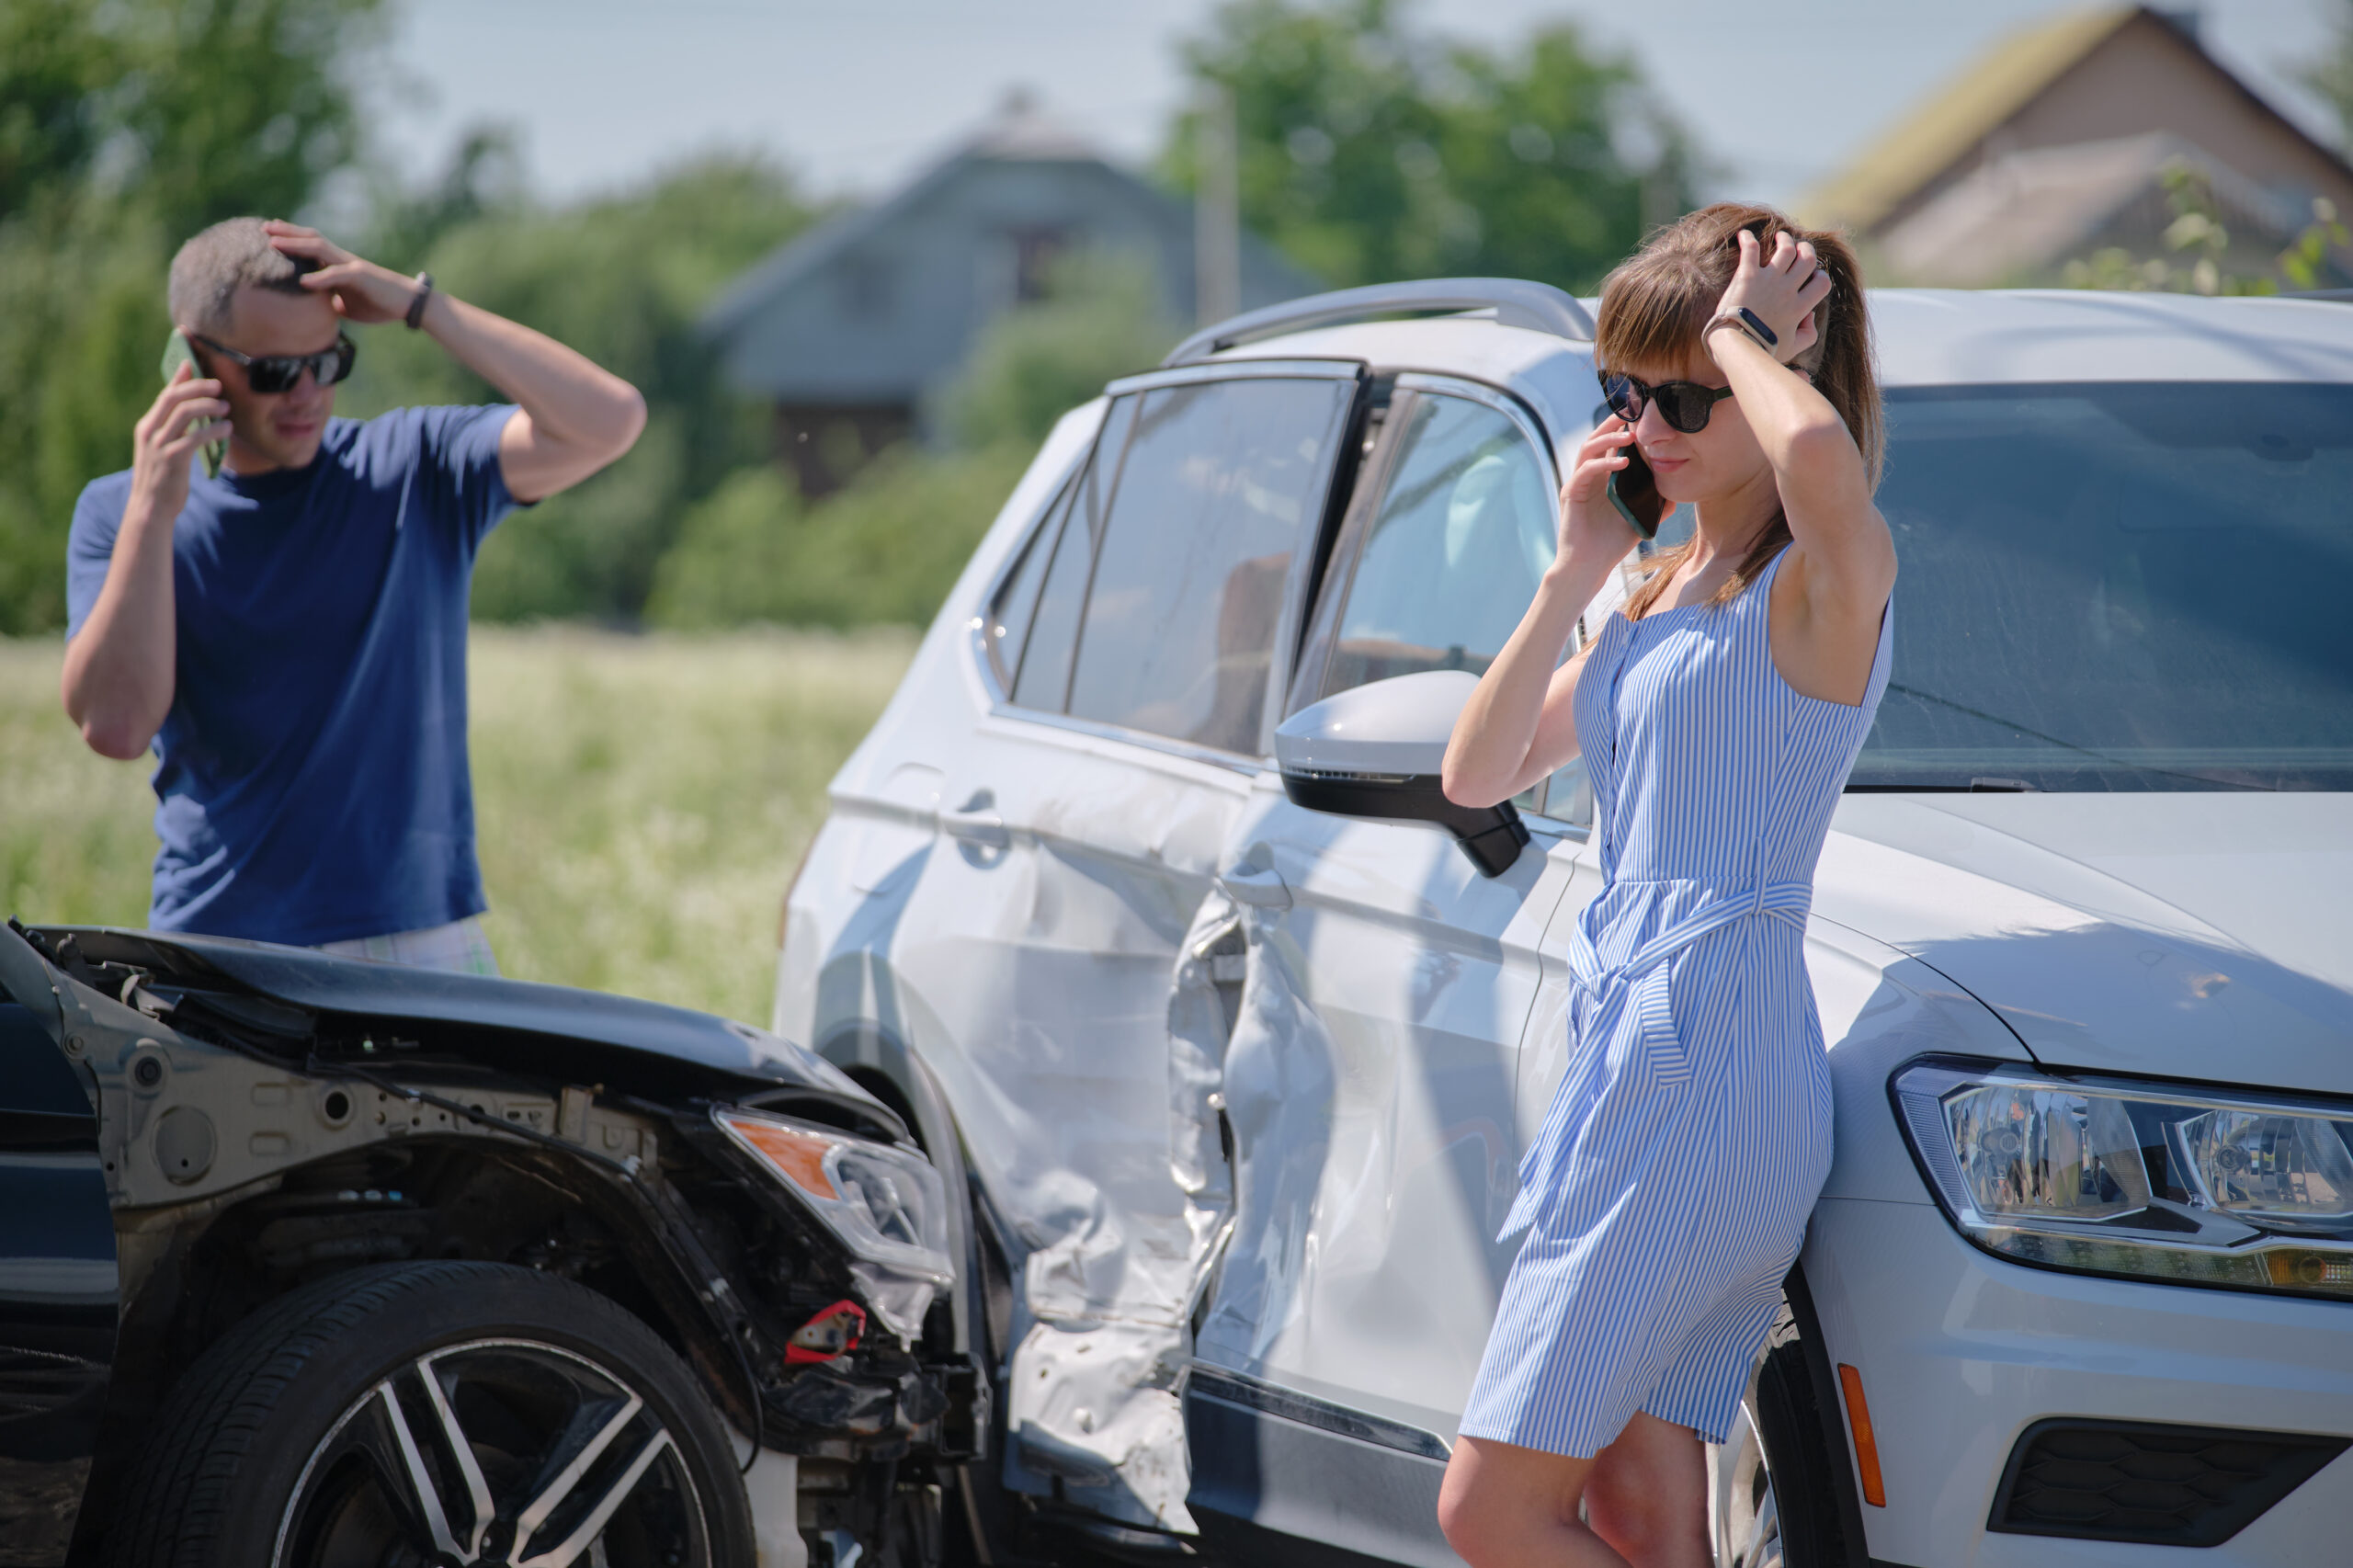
(1822,1375)
(883,1065)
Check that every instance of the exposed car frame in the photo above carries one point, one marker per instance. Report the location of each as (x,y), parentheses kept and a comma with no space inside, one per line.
(258,1119)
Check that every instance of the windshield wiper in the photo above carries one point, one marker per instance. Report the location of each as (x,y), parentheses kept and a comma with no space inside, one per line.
(2065,746)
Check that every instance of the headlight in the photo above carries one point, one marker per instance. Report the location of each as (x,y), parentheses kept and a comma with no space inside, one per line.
(887,1205)
(2113,1176)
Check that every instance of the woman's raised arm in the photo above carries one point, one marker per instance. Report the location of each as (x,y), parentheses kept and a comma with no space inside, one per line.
(1841,568)
(1520,723)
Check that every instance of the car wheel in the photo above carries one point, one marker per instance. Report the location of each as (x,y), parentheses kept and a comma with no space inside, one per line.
(426,1415)
(1776,1498)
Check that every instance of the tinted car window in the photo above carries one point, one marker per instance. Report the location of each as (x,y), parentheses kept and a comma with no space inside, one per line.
(1452,558)
(1464,531)
(1043,680)
(1220,482)
(2120,586)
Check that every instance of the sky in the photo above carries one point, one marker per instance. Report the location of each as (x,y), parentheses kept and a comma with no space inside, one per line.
(855,96)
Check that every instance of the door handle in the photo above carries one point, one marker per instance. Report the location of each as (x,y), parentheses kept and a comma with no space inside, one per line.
(976,824)
(1261,887)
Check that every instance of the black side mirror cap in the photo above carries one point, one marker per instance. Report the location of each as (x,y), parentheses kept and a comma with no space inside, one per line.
(1375,751)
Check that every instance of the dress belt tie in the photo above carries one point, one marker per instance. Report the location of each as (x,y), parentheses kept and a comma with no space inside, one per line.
(1663,1062)
(1785,900)
(1645,974)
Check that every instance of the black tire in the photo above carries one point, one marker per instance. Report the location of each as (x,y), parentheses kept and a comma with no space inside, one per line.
(288,1442)
(1792,1429)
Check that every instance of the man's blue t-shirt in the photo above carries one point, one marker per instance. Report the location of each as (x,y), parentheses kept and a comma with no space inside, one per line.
(313,784)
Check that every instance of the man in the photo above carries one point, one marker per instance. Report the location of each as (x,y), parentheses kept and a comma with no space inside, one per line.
(289,636)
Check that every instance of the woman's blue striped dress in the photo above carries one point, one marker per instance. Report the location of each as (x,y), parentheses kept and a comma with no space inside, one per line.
(1667,1190)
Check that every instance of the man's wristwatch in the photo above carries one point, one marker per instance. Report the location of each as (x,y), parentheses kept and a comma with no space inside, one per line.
(1749,324)
(416,317)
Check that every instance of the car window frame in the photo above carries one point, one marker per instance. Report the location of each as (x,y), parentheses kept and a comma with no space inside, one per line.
(1312,668)
(1306,559)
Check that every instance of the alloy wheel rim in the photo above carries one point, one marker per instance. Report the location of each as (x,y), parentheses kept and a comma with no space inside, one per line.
(1749,1533)
(496,1451)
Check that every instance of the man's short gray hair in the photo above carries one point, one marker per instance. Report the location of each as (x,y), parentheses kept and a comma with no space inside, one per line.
(232,255)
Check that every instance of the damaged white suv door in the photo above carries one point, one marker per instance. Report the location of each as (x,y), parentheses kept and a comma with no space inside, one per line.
(1392,972)
(1028,955)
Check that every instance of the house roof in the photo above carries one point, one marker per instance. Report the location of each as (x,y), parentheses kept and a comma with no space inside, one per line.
(2021,213)
(1941,131)
(1019,132)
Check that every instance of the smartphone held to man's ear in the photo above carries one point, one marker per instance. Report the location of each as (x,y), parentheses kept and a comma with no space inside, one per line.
(177,351)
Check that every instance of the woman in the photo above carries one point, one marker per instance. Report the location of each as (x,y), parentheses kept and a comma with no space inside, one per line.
(1666,1193)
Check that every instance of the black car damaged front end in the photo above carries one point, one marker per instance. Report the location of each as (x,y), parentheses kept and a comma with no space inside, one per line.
(253,1119)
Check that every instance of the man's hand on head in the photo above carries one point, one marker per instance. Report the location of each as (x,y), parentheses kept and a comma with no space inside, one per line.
(362,291)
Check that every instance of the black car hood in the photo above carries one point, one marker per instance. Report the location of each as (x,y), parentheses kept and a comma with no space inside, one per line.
(484,1006)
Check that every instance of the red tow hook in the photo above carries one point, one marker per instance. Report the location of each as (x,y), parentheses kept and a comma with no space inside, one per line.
(834,1332)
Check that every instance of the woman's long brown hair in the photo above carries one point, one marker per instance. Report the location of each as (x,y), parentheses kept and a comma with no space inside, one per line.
(1654,305)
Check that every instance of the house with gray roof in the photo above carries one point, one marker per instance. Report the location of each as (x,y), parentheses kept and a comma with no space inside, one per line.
(846,329)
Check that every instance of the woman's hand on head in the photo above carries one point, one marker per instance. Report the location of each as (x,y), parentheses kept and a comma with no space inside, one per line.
(1784,289)
(1588,522)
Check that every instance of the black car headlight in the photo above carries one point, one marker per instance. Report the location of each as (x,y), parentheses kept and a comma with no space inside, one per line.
(2154,1181)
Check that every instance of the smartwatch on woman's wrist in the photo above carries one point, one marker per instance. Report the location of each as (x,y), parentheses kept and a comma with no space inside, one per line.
(1749,324)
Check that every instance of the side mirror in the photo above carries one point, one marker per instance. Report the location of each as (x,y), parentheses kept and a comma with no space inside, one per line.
(1376,752)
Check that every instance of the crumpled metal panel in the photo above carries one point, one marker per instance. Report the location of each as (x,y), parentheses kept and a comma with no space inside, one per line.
(1370,1084)
(1095,1391)
(1094,1132)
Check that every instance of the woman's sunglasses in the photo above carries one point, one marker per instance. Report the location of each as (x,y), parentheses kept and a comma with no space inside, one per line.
(1684,404)
(268,374)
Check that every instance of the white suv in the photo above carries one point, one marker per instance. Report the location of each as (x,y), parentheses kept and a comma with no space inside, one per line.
(1141,898)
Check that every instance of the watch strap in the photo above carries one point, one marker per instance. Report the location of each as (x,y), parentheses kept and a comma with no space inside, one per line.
(1749,324)
(416,317)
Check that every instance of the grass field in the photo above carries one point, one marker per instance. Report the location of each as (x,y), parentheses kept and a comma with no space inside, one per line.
(639,800)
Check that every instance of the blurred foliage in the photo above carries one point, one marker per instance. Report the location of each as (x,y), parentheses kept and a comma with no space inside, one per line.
(1369,151)
(126,125)
(1103,317)
(2199,259)
(889,545)
(2330,75)
(621,278)
(883,548)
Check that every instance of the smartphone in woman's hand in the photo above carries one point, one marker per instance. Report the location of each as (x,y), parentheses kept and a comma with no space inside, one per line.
(1633,490)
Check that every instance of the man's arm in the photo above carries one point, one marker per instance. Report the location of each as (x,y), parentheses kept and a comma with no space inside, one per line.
(120,665)
(574,418)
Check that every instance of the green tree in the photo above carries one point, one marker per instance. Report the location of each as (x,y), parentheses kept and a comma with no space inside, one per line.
(885,548)
(1102,318)
(1369,151)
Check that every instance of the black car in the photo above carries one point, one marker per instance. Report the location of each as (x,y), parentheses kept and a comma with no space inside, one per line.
(306,1260)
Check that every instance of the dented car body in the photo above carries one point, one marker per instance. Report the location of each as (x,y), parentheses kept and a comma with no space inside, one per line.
(1141,894)
(199,1132)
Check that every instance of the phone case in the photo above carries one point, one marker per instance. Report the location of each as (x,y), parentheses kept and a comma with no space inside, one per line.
(178,353)
(1649,530)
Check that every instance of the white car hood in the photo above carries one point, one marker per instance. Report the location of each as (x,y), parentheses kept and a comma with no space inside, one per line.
(2204,936)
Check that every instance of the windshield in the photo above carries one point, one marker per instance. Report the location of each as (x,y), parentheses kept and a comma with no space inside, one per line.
(2119,586)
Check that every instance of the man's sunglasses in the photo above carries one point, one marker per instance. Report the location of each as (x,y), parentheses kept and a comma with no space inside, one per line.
(268,374)
(1684,404)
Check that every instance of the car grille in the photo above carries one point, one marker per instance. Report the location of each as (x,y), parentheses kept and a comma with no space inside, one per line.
(2142,1482)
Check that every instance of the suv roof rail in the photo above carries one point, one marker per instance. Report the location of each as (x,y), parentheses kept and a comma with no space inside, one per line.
(1516,301)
